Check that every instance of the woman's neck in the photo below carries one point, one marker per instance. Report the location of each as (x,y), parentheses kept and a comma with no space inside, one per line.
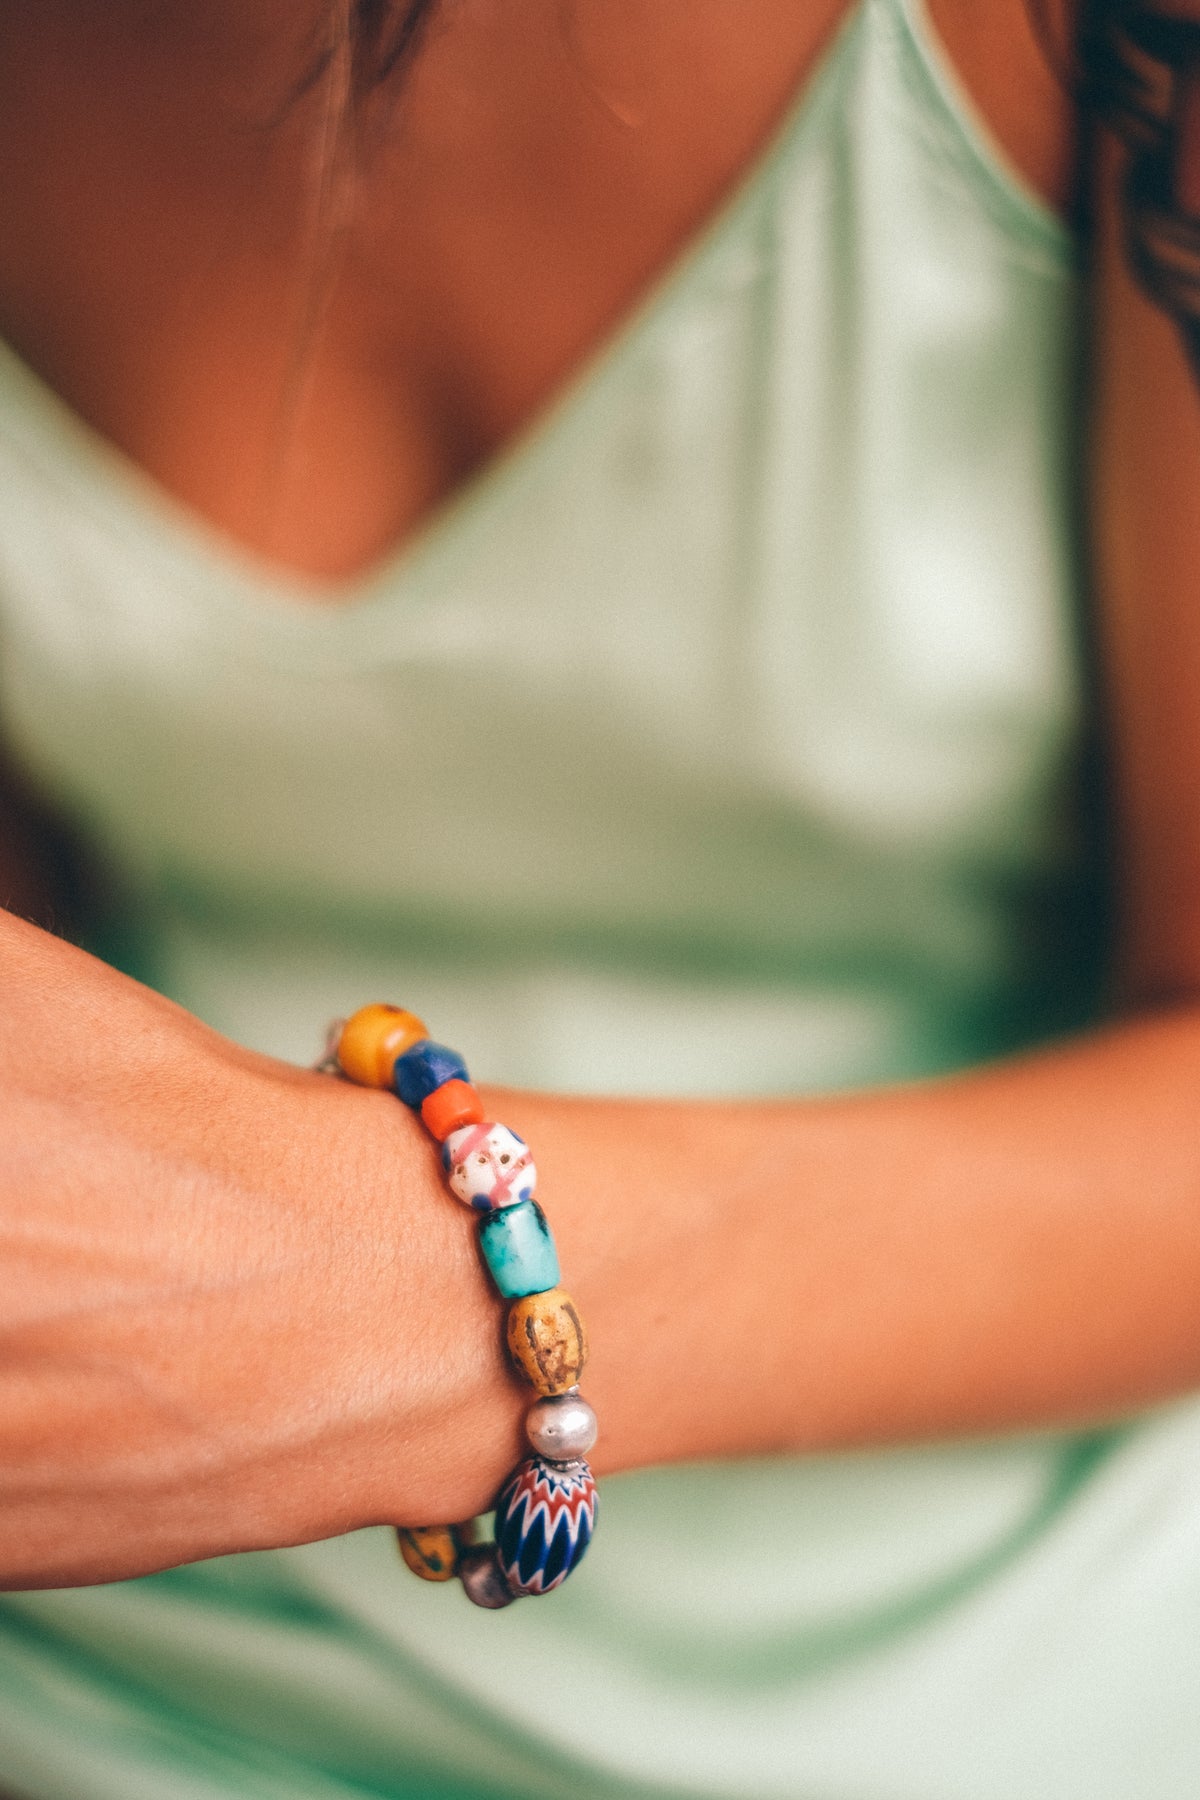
(314,380)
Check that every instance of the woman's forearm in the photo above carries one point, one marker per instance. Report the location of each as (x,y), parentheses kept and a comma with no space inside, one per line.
(1015,1246)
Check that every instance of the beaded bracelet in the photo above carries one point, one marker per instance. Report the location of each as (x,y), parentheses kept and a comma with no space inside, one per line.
(545,1512)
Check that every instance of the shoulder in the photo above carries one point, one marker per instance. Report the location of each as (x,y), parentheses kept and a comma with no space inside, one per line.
(1012,57)
(1144,468)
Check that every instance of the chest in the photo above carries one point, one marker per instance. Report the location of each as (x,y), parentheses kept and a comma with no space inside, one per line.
(312,340)
(313,351)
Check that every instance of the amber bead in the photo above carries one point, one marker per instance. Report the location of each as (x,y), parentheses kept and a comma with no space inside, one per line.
(430,1551)
(450,1107)
(372,1039)
(547,1341)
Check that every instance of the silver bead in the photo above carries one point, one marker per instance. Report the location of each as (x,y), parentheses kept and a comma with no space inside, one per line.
(327,1063)
(482,1580)
(561,1427)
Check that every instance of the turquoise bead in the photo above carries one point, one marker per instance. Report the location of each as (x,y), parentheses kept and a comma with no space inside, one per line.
(519,1250)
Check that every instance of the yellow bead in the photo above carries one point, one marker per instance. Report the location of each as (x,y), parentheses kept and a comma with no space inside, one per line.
(547,1341)
(373,1038)
(430,1551)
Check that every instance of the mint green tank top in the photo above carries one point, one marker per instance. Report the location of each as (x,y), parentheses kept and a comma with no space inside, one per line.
(721,738)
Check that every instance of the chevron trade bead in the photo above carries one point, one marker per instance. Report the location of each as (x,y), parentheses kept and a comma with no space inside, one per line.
(449,1108)
(547,1341)
(545,1516)
(372,1039)
(488,1165)
(424,1067)
(519,1250)
(430,1551)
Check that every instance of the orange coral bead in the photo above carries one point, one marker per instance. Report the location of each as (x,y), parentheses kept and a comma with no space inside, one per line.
(449,1107)
(372,1039)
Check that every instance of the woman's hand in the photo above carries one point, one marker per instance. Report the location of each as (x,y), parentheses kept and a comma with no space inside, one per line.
(236,1309)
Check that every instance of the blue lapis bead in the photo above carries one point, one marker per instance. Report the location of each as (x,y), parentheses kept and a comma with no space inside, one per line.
(425,1067)
(519,1250)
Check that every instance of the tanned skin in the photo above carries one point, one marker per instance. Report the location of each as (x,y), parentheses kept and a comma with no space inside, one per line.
(237,1311)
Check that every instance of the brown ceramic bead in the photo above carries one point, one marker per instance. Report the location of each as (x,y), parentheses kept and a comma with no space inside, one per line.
(372,1039)
(430,1551)
(547,1341)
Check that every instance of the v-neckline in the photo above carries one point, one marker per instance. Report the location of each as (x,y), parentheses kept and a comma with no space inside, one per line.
(253,592)
(113,483)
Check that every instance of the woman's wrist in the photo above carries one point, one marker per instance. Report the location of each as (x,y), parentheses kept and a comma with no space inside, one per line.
(433,1415)
(545,1510)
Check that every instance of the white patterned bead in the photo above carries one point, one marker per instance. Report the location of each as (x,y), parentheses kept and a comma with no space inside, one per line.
(489,1166)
